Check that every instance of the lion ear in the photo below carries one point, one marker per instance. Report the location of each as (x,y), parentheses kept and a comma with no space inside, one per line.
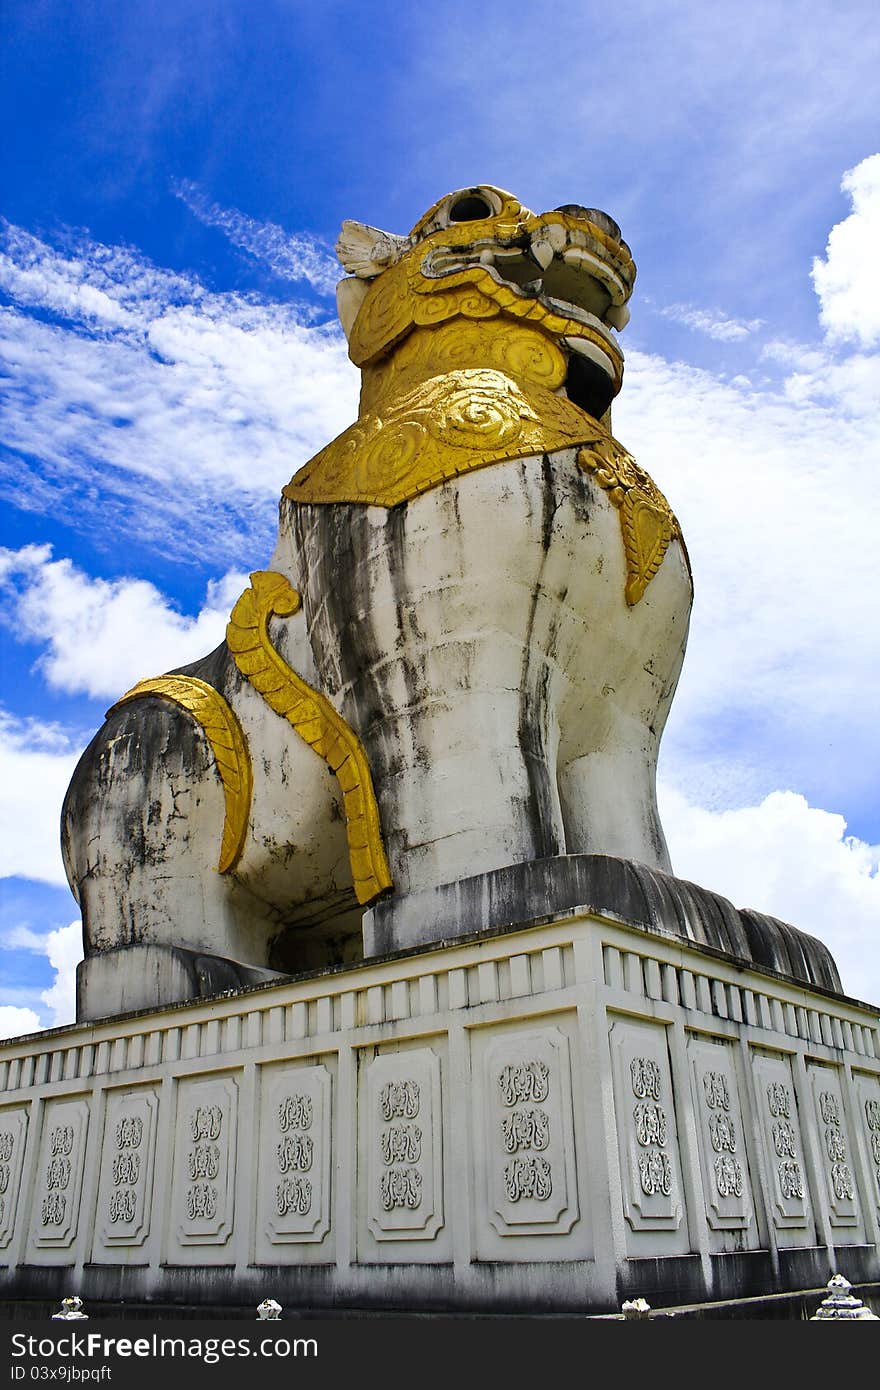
(366,251)
(350,295)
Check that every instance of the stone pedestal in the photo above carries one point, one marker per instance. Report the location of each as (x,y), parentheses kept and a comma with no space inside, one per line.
(545,1117)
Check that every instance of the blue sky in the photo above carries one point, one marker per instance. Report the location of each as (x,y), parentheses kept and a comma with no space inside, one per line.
(174,177)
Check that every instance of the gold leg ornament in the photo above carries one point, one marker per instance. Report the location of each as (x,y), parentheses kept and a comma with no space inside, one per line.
(224,734)
(647,521)
(314,719)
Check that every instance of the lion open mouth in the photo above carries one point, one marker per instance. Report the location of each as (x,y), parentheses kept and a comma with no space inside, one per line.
(574,262)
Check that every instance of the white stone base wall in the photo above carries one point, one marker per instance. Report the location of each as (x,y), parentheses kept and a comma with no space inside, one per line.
(551,1118)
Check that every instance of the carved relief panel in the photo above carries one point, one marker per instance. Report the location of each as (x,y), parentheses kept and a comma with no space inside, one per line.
(57,1196)
(401,1155)
(203,1185)
(13,1134)
(788,1197)
(647,1137)
(836,1163)
(867,1090)
(723,1160)
(294,1161)
(125,1187)
(524,1147)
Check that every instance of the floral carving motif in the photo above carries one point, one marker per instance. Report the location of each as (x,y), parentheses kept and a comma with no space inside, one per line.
(295,1112)
(779,1100)
(789,1173)
(400,1187)
(201,1201)
(722,1134)
(294,1153)
(715,1090)
(53,1208)
(783,1139)
(122,1205)
(728,1176)
(399,1100)
(651,1128)
(829,1108)
(655,1173)
(126,1169)
(842,1181)
(650,1120)
(524,1081)
(7,1146)
(526,1129)
(528,1177)
(645,1077)
(129,1132)
(293,1195)
(61,1141)
(791,1180)
(835,1145)
(401,1144)
(205,1122)
(203,1161)
(872,1115)
(58,1172)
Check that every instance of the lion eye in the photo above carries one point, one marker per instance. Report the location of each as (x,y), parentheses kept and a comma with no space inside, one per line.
(470,208)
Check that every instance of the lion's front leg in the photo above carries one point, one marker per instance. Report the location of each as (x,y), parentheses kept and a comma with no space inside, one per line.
(142,830)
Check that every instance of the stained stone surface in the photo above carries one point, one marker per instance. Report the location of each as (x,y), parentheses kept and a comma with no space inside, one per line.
(623,888)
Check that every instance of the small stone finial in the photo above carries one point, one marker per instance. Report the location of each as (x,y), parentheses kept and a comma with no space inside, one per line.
(636,1308)
(268,1310)
(71,1308)
(842,1303)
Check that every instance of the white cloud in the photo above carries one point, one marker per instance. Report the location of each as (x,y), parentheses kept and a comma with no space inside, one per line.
(713,322)
(103,635)
(63,949)
(290,255)
(778,502)
(791,860)
(154,405)
(15,1021)
(847,281)
(36,764)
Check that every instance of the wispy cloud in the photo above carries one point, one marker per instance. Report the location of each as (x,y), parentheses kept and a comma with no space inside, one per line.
(289,255)
(712,322)
(143,399)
